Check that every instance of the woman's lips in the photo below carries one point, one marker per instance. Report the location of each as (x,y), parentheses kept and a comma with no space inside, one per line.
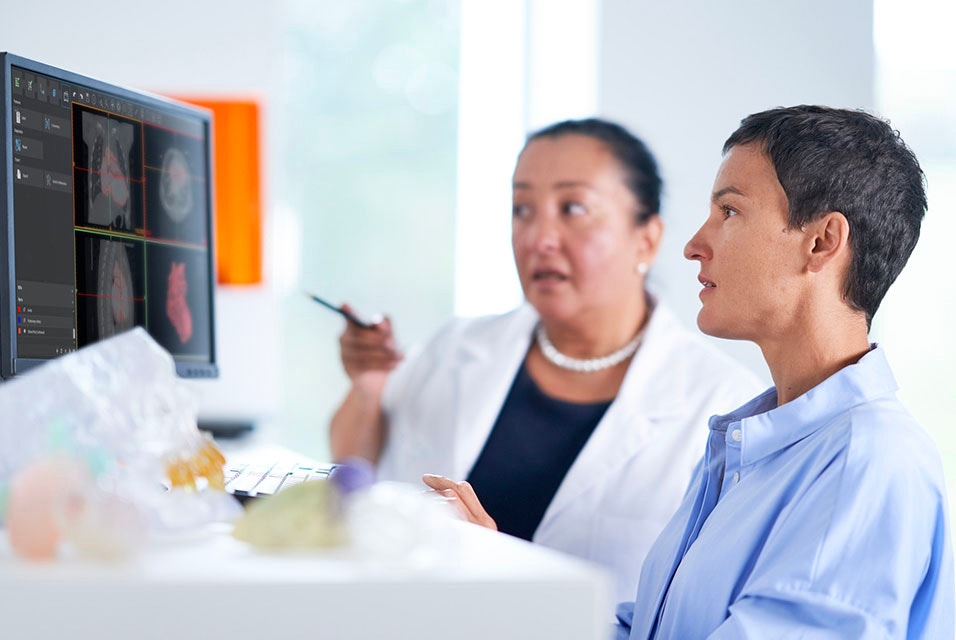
(707,285)
(545,276)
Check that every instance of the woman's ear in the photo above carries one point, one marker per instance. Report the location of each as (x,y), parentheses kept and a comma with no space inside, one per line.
(649,237)
(829,240)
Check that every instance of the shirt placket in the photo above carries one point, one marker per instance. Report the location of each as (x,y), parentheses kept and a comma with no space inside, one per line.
(733,448)
(708,496)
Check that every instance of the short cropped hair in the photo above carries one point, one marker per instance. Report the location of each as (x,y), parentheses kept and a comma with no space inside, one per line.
(855,163)
(637,161)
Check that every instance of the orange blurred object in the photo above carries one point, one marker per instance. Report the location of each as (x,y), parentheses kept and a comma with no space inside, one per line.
(238,195)
(206,462)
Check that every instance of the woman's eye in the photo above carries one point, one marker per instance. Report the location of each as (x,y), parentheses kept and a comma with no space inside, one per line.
(519,210)
(574,208)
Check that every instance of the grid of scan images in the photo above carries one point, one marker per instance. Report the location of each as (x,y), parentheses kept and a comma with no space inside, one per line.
(141,237)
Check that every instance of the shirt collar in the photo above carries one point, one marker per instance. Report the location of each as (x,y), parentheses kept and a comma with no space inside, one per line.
(766,428)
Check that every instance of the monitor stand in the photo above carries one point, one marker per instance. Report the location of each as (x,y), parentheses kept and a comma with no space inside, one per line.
(226,428)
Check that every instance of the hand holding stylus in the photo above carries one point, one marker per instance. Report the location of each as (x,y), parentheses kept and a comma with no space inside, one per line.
(368,353)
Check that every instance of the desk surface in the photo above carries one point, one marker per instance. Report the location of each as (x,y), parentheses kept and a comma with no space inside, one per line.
(209,585)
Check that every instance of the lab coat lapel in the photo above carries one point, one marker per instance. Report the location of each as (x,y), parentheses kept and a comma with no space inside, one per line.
(489,363)
(627,424)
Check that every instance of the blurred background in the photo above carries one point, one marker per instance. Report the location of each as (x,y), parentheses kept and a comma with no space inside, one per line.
(379,164)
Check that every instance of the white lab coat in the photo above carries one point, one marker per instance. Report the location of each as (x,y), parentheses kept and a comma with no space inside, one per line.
(629,478)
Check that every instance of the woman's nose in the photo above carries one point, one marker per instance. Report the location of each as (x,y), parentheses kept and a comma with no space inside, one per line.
(544,235)
(696,247)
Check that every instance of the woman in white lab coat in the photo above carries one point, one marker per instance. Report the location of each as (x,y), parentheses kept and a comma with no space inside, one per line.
(577,418)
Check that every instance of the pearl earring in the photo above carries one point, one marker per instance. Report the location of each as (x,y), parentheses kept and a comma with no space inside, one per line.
(641,268)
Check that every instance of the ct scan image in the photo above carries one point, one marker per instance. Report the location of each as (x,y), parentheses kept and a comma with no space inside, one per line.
(108,175)
(109,286)
(176,206)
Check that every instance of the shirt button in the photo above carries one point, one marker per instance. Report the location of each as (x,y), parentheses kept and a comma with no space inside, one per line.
(736,477)
(736,435)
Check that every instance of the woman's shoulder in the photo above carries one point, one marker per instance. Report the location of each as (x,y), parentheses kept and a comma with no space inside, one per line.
(885,440)
(480,336)
(490,339)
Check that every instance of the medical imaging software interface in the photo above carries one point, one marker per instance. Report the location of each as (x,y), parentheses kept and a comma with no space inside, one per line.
(111,220)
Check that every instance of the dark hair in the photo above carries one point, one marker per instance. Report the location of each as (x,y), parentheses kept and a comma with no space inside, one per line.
(639,166)
(855,163)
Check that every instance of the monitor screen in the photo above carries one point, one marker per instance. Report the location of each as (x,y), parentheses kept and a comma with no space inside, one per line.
(106,219)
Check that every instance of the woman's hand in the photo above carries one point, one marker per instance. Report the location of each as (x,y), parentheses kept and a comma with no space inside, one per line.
(368,355)
(463,497)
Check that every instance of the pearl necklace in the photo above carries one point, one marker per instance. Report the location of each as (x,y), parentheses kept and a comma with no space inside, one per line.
(557,358)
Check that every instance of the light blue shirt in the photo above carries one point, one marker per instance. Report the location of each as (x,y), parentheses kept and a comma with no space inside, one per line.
(823,518)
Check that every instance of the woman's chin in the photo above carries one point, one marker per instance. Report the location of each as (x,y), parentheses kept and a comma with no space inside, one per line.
(550,307)
(711,325)
(728,329)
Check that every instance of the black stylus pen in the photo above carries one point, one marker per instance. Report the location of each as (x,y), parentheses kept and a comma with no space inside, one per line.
(350,316)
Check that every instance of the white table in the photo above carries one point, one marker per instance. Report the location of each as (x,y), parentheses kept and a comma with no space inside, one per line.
(209,585)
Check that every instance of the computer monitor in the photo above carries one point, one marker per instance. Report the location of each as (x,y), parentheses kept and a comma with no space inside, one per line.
(105,219)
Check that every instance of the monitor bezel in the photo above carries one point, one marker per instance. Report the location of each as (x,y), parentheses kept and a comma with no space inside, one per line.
(10,364)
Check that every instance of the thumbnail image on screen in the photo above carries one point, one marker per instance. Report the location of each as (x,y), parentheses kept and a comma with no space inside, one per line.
(108,171)
(109,287)
(175,186)
(177,308)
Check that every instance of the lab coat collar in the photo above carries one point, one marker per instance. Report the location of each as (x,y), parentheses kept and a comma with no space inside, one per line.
(642,403)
